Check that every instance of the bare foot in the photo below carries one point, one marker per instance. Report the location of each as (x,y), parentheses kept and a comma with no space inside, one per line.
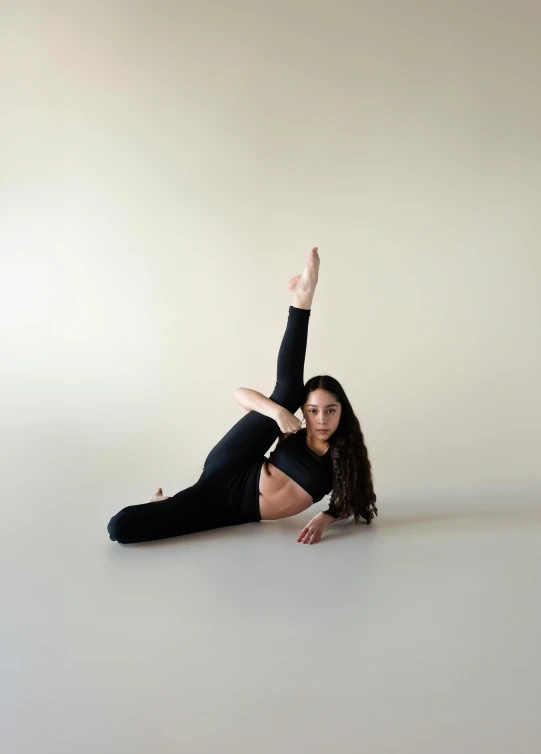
(304,285)
(157,496)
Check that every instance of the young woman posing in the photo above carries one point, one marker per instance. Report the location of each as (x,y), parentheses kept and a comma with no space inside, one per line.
(240,485)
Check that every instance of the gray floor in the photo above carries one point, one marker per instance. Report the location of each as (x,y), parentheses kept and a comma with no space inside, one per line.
(420,633)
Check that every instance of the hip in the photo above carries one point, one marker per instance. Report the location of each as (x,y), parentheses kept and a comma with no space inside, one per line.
(240,488)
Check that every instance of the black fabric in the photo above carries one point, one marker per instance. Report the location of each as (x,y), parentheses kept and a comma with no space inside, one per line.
(212,502)
(227,493)
(296,459)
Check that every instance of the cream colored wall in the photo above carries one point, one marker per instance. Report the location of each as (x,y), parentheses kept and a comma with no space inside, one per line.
(165,169)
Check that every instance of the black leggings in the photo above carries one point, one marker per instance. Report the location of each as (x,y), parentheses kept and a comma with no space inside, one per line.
(227,493)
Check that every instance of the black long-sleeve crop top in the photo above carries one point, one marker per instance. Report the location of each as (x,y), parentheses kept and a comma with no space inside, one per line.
(296,459)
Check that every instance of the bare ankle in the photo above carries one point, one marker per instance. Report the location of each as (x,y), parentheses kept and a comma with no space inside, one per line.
(302,302)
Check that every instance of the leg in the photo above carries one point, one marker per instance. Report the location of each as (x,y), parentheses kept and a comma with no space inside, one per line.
(203,506)
(254,434)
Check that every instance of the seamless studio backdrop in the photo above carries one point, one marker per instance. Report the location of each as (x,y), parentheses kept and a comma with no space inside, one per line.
(164,171)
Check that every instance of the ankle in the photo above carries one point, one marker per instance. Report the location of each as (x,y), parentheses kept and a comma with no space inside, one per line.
(302,302)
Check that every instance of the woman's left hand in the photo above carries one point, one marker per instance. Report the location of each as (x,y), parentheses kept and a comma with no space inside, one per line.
(312,531)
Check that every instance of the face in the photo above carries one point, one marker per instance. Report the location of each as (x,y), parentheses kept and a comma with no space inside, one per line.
(321,411)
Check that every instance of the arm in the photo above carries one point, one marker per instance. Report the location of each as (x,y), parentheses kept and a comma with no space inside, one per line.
(330,519)
(251,400)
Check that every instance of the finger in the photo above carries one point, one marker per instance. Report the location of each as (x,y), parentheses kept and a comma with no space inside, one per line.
(302,533)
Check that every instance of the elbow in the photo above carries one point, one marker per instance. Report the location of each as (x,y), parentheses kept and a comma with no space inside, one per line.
(238,394)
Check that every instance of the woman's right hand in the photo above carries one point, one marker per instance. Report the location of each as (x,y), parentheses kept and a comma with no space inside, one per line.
(287,421)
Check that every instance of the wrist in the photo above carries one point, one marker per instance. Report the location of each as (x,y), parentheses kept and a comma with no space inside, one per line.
(276,410)
(328,518)
(325,517)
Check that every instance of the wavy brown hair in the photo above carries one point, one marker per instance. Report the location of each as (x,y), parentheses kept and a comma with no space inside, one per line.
(353,489)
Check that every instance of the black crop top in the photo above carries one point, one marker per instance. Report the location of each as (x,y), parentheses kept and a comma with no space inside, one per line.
(312,472)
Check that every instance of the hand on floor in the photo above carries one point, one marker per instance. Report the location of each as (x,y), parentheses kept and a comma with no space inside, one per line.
(312,531)
(157,496)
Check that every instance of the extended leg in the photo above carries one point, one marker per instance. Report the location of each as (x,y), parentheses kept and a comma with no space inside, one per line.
(254,434)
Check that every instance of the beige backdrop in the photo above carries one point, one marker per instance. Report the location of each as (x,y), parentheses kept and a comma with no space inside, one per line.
(164,169)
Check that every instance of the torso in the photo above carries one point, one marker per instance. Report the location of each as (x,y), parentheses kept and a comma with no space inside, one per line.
(279,495)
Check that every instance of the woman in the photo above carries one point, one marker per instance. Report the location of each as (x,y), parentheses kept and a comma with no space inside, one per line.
(239,484)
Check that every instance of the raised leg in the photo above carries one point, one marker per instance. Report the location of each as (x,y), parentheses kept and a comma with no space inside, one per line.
(254,434)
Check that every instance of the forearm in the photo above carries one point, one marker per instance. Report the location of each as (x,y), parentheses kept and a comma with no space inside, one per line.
(251,400)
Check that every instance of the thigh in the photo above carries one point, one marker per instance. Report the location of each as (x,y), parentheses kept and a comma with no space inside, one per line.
(252,436)
(198,508)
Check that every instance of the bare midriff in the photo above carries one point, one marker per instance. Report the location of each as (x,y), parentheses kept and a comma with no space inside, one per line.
(279,495)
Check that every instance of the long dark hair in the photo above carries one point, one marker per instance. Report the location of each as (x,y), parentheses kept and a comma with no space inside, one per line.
(353,490)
